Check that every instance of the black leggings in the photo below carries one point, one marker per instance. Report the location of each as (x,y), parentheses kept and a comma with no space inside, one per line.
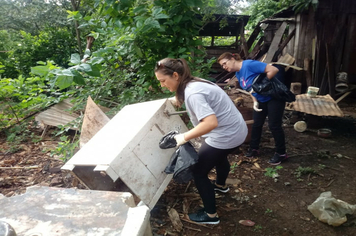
(209,158)
(274,109)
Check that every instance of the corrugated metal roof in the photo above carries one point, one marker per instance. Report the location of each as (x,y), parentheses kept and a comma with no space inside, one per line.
(319,105)
(58,114)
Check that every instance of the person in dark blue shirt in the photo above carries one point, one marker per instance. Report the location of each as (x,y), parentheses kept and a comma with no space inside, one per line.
(246,71)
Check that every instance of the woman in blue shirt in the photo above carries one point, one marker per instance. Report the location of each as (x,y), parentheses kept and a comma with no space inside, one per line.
(246,72)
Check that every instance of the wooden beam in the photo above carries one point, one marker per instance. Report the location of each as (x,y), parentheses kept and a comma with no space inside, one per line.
(290,45)
(255,50)
(308,70)
(283,45)
(253,36)
(275,42)
(323,83)
(350,45)
(331,71)
(243,41)
(278,19)
(342,97)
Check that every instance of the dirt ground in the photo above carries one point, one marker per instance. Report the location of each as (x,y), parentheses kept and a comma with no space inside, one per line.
(277,205)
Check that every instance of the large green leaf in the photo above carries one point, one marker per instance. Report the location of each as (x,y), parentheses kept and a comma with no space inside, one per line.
(75,59)
(78,78)
(63,81)
(39,70)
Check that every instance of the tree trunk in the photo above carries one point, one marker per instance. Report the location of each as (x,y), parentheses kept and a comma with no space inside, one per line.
(76,25)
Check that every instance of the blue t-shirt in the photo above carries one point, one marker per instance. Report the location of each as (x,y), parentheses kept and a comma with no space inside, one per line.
(248,72)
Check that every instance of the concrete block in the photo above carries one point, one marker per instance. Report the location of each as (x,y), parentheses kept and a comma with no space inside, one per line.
(62,212)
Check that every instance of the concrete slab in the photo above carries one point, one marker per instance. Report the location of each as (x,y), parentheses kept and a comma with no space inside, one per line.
(62,212)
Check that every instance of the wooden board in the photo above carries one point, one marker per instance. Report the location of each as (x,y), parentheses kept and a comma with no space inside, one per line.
(275,42)
(94,119)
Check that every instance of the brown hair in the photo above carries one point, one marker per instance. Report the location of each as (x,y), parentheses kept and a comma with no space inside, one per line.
(168,66)
(229,55)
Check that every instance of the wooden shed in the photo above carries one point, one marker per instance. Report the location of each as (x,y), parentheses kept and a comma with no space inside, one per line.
(321,41)
(224,25)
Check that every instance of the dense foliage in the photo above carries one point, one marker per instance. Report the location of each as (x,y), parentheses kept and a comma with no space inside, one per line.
(262,9)
(42,60)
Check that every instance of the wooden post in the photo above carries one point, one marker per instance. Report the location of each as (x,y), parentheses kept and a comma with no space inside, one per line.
(331,71)
(253,36)
(212,41)
(308,70)
(243,42)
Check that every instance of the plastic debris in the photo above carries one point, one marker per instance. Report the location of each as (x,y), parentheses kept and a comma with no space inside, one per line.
(331,210)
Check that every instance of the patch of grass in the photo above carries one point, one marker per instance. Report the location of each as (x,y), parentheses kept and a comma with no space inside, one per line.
(300,171)
(66,148)
(321,166)
(323,154)
(18,134)
(272,171)
(268,211)
(233,166)
(257,228)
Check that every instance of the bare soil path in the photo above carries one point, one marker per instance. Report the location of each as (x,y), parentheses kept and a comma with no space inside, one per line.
(278,206)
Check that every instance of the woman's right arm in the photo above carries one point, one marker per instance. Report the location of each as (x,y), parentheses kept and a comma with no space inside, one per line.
(271,71)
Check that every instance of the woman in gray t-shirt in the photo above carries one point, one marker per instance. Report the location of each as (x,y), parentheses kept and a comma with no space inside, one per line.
(215,118)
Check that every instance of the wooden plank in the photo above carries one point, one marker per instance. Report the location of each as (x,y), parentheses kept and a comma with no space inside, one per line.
(338,41)
(308,70)
(290,45)
(296,38)
(349,58)
(275,42)
(323,83)
(94,119)
(300,50)
(278,19)
(243,42)
(253,36)
(343,96)
(287,59)
(331,71)
(255,50)
(283,45)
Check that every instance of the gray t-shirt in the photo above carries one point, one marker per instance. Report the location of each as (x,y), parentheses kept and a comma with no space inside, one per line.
(204,99)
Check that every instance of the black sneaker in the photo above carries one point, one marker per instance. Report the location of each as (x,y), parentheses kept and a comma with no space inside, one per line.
(202,217)
(220,188)
(223,189)
(277,159)
(252,153)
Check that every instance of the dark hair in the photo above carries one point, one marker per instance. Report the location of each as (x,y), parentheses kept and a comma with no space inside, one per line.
(168,66)
(229,55)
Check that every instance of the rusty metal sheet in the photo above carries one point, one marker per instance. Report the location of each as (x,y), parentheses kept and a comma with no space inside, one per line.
(58,114)
(319,105)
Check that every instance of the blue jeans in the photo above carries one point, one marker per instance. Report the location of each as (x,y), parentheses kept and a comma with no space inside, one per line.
(274,109)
